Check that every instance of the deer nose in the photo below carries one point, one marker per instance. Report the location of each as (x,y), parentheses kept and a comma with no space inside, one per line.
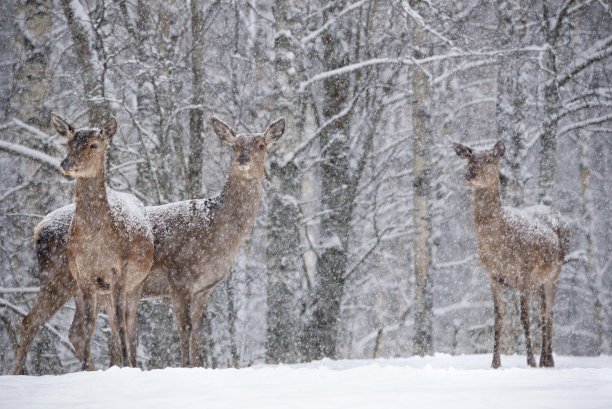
(67,164)
(243,158)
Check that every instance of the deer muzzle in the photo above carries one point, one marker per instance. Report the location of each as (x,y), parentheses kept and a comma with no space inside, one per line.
(67,164)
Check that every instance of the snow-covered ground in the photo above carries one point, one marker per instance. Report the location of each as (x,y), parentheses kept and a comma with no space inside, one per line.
(441,381)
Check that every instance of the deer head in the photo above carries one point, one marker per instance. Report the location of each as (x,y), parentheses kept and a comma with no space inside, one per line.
(85,147)
(249,149)
(483,167)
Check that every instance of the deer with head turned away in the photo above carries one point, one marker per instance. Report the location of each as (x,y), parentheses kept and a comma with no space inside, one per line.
(183,235)
(522,249)
(109,248)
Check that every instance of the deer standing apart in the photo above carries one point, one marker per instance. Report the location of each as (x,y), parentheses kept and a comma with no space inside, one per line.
(523,249)
(109,247)
(171,223)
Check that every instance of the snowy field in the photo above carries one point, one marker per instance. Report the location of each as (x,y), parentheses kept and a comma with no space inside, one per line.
(441,381)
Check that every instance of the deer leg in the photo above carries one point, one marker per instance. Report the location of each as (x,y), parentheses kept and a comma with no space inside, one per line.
(548,299)
(198,308)
(180,307)
(525,322)
(46,306)
(118,295)
(115,343)
(89,308)
(77,330)
(543,325)
(498,303)
(131,316)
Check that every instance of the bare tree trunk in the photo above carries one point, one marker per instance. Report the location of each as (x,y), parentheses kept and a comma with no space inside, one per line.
(7,38)
(283,253)
(423,303)
(92,78)
(32,88)
(510,101)
(321,331)
(548,137)
(196,115)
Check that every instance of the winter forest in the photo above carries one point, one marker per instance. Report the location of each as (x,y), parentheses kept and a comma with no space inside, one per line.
(364,244)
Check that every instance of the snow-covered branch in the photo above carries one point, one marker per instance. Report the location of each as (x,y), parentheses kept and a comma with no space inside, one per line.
(30,153)
(331,22)
(600,50)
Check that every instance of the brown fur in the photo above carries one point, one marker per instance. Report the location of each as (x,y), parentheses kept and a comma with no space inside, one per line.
(105,252)
(198,256)
(524,252)
(172,232)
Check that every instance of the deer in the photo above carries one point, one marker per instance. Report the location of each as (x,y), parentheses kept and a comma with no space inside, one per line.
(196,240)
(523,249)
(57,285)
(109,247)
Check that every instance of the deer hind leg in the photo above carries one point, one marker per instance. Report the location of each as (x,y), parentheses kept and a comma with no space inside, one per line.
(198,308)
(525,321)
(46,306)
(498,312)
(131,316)
(89,308)
(547,294)
(77,331)
(180,307)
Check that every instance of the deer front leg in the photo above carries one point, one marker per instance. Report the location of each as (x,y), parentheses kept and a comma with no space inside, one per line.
(547,293)
(46,306)
(77,332)
(525,321)
(115,342)
(132,324)
(118,297)
(180,307)
(197,310)
(89,308)
(498,303)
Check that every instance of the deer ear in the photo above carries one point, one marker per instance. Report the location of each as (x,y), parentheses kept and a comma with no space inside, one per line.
(62,127)
(109,129)
(223,131)
(462,150)
(275,131)
(499,149)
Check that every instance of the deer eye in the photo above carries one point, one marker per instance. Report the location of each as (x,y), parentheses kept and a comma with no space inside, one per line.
(262,146)
(93,145)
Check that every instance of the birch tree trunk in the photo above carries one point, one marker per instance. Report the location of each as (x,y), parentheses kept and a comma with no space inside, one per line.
(196,114)
(510,100)
(283,253)
(321,330)
(91,75)
(423,302)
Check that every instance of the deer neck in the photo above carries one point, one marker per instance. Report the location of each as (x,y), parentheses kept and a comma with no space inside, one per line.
(91,200)
(238,210)
(487,205)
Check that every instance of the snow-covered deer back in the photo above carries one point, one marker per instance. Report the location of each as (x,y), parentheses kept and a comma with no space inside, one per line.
(520,248)
(110,241)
